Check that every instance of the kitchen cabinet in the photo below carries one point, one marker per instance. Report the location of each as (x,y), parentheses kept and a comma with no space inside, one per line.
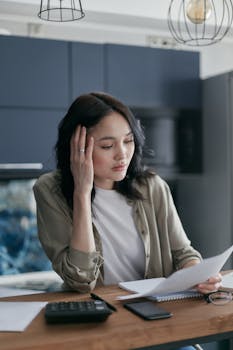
(33,73)
(40,78)
(87,68)
(29,136)
(151,77)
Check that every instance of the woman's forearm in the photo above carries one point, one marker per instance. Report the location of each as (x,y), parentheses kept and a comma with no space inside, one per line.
(82,237)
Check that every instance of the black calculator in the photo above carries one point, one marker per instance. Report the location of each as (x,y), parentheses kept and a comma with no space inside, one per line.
(77,311)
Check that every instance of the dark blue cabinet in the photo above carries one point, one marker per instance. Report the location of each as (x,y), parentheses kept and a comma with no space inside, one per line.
(33,73)
(129,75)
(87,69)
(149,77)
(28,136)
(40,78)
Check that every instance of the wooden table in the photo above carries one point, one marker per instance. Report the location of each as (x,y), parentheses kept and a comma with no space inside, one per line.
(193,321)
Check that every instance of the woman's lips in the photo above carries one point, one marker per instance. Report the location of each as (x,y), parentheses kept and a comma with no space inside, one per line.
(119,168)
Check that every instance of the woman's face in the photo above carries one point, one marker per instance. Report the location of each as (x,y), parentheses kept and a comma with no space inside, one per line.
(113,149)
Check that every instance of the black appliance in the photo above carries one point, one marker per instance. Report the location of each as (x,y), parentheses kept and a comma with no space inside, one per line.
(173,139)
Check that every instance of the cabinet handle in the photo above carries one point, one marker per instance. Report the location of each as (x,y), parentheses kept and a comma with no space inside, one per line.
(21,166)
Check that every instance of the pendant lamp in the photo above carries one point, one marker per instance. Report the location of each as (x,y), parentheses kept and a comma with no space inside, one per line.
(199,22)
(61,10)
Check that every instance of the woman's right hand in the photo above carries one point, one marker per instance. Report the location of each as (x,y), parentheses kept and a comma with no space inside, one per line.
(81,164)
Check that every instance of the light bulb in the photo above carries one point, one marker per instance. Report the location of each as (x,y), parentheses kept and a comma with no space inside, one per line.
(198,11)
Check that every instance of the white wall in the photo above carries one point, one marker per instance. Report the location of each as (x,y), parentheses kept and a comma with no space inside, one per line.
(216,59)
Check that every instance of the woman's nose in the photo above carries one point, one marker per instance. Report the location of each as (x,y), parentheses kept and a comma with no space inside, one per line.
(121,152)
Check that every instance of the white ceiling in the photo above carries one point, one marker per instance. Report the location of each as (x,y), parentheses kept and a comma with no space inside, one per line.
(117,21)
(131,22)
(103,18)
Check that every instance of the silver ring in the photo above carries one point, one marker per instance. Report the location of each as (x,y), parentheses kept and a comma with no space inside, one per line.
(82,150)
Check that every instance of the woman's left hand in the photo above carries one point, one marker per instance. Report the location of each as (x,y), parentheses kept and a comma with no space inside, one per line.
(211,285)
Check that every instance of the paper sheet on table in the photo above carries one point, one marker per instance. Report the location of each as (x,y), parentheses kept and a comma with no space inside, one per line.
(187,278)
(10,292)
(16,316)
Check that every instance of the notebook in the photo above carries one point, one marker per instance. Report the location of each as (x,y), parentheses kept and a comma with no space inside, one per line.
(140,286)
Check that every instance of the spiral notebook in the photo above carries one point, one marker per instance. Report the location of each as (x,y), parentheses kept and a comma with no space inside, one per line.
(177,296)
(140,286)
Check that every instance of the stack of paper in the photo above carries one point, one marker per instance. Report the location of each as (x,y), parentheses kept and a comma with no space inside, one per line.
(181,280)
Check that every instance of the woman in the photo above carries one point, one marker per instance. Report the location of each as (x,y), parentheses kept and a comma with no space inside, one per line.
(102,216)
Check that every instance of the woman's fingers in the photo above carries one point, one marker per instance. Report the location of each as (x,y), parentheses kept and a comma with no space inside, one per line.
(78,145)
(81,164)
(213,284)
(89,149)
(74,144)
(82,142)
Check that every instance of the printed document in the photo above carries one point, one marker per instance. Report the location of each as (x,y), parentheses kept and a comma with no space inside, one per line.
(184,279)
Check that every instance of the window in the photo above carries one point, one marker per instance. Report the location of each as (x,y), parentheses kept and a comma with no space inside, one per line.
(20,249)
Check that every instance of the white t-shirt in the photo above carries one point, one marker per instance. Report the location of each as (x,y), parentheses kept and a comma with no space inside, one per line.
(123,249)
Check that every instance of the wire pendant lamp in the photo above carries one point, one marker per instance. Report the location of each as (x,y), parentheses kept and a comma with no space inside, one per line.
(61,10)
(199,22)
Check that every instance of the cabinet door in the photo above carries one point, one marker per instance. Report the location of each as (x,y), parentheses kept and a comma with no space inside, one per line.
(129,75)
(183,83)
(149,77)
(87,68)
(28,136)
(33,72)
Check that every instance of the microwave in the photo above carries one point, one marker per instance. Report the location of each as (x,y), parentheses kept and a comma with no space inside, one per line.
(173,139)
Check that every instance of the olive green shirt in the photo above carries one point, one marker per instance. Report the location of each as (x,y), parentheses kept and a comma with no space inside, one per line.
(167,247)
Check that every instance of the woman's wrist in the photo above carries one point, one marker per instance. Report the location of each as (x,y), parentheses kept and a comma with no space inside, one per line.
(82,197)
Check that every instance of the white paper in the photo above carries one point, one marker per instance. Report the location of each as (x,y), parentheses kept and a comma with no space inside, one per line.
(140,286)
(186,278)
(10,292)
(16,316)
(227,280)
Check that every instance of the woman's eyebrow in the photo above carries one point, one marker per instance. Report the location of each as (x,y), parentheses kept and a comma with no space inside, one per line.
(112,137)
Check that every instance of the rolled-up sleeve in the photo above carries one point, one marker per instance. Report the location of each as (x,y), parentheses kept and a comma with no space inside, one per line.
(82,269)
(79,270)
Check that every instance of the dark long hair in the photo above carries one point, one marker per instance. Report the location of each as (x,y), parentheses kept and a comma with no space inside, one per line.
(87,110)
